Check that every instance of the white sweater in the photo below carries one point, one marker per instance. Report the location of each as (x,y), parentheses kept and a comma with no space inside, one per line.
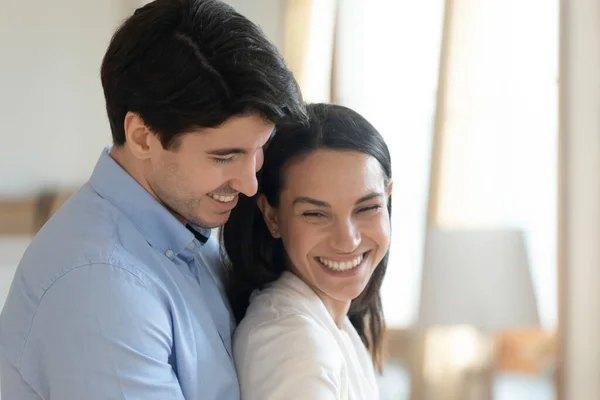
(288,348)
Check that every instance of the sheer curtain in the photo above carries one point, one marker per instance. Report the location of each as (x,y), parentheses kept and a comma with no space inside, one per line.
(499,127)
(497,117)
(308,45)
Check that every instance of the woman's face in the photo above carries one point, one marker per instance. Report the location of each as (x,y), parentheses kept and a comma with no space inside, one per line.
(333,221)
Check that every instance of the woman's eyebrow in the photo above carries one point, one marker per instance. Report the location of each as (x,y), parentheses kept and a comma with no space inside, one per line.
(369,197)
(320,203)
(309,200)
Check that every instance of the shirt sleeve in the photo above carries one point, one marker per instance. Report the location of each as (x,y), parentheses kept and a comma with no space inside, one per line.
(101,332)
(291,358)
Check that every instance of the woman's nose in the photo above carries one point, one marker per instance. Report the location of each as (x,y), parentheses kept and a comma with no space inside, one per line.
(345,237)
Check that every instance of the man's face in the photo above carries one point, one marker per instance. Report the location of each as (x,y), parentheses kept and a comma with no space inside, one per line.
(200,178)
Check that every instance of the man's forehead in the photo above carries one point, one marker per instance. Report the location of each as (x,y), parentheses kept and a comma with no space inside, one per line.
(243,136)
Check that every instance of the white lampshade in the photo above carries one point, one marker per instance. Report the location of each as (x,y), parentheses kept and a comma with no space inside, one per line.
(479,278)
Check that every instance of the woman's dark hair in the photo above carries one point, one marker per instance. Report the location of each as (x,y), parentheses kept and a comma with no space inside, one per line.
(188,64)
(254,258)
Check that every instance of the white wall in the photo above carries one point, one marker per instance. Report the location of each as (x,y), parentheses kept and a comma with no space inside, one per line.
(268,14)
(52,117)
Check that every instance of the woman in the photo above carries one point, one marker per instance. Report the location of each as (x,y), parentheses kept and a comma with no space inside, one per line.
(307,256)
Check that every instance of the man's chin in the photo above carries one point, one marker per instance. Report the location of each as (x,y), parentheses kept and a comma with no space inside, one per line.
(212,222)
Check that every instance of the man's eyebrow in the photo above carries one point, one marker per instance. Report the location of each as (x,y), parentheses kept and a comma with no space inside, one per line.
(227,151)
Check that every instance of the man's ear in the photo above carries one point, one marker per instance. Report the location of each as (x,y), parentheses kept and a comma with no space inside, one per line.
(138,137)
(389,188)
(270,216)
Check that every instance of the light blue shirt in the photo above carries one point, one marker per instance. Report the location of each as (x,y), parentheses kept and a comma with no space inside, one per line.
(116,299)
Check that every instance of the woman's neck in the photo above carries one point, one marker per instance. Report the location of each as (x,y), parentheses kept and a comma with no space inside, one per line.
(338,309)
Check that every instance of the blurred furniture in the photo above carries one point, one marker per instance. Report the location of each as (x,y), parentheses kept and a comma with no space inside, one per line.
(475,283)
(18,216)
(26,215)
(395,385)
(530,351)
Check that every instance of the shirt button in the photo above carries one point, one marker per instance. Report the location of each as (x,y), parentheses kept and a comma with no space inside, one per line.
(191,245)
(169,253)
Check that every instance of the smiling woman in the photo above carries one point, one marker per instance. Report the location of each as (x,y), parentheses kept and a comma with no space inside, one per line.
(333,223)
(306,259)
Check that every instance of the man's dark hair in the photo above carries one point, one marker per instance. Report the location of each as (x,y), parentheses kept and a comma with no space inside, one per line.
(188,64)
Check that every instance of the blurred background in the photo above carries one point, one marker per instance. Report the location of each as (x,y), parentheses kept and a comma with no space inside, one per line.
(490,109)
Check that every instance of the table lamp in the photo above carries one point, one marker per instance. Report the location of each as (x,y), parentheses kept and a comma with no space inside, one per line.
(474,283)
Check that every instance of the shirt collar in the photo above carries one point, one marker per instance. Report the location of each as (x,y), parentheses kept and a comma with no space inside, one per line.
(158,226)
(202,234)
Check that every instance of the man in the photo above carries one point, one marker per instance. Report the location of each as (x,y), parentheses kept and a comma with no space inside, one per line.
(118,296)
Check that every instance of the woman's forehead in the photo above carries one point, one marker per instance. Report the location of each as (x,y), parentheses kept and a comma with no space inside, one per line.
(331,174)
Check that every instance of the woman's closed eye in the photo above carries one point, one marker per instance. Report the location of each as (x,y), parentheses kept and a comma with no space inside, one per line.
(372,208)
(313,214)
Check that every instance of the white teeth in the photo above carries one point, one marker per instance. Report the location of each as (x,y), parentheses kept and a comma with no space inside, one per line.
(222,199)
(341,265)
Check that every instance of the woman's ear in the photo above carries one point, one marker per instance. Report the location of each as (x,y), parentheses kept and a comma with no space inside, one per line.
(270,216)
(389,188)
